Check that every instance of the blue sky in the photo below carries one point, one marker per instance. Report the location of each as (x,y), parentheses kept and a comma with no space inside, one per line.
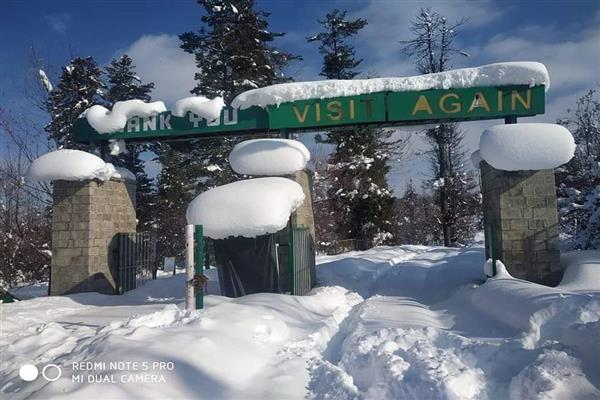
(564,35)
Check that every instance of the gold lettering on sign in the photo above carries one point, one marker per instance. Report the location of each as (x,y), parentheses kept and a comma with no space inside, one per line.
(422,105)
(479,102)
(318,111)
(456,106)
(500,101)
(351,109)
(516,96)
(335,110)
(301,118)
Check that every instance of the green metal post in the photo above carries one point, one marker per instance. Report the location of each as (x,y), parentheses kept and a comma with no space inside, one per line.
(199,263)
(492,248)
(291,260)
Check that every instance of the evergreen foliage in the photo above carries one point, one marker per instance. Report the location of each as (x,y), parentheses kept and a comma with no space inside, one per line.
(360,200)
(234,52)
(339,60)
(80,86)
(415,218)
(175,188)
(579,180)
(124,85)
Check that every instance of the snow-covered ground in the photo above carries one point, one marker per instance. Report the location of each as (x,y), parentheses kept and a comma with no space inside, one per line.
(408,322)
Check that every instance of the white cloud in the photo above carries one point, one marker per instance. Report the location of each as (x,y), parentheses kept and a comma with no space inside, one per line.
(159,59)
(58,21)
(389,22)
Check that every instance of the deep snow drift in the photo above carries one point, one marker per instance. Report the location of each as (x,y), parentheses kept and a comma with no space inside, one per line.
(408,322)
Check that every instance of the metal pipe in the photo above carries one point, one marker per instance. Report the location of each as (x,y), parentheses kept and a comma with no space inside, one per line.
(190,299)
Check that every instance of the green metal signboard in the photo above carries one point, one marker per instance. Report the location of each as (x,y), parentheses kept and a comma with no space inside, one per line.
(167,126)
(383,108)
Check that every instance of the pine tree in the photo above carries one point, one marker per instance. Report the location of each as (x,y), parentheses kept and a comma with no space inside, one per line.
(432,49)
(124,85)
(79,87)
(360,199)
(415,217)
(234,53)
(578,181)
(174,192)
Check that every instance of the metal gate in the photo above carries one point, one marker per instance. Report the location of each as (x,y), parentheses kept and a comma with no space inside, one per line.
(136,259)
(302,261)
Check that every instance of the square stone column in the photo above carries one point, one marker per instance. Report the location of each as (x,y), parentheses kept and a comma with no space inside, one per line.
(86,217)
(520,208)
(304,216)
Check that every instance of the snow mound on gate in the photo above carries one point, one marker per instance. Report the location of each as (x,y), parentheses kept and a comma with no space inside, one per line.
(69,165)
(201,106)
(532,146)
(508,73)
(269,157)
(105,121)
(248,208)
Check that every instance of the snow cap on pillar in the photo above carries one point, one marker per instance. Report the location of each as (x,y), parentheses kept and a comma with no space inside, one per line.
(271,157)
(529,146)
(247,208)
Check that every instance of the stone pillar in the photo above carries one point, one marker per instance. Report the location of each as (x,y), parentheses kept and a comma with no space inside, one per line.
(520,207)
(86,216)
(304,216)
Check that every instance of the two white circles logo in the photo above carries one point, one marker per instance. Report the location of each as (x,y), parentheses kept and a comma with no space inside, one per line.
(50,372)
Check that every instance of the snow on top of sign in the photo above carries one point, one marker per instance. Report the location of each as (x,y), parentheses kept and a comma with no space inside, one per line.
(201,106)
(248,208)
(528,146)
(105,121)
(269,157)
(508,73)
(69,165)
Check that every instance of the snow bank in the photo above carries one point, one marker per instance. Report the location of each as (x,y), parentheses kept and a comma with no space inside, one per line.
(582,270)
(105,121)
(532,146)
(201,106)
(269,157)
(69,165)
(247,208)
(509,73)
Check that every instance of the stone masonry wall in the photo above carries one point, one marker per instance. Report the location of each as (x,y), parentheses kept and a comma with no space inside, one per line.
(86,216)
(304,215)
(520,206)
